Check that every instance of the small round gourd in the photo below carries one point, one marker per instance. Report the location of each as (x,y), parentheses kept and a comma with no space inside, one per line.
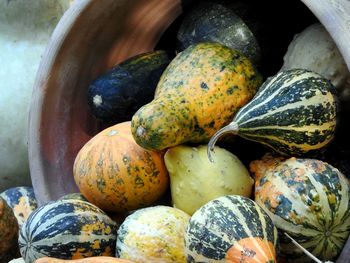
(309,200)
(22,201)
(153,234)
(67,229)
(116,174)
(233,229)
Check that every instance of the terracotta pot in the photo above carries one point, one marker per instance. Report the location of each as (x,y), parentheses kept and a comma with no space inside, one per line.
(91,37)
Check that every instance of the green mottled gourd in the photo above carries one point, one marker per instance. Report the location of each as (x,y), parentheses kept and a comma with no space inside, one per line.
(198,93)
(309,200)
(293,113)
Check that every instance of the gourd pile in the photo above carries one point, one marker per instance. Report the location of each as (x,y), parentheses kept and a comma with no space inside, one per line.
(155,187)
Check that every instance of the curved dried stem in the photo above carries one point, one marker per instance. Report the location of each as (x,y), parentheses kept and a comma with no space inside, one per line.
(230,128)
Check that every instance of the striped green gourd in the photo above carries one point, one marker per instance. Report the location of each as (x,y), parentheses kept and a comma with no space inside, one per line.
(293,113)
(309,200)
(231,228)
(67,229)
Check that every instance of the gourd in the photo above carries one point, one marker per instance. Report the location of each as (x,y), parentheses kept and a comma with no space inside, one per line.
(116,95)
(209,21)
(8,230)
(23,39)
(116,174)
(99,259)
(231,228)
(314,49)
(153,234)
(309,200)
(198,93)
(293,113)
(22,201)
(194,180)
(67,229)
(78,196)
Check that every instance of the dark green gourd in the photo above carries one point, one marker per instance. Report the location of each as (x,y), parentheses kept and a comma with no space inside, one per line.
(211,21)
(115,96)
(293,113)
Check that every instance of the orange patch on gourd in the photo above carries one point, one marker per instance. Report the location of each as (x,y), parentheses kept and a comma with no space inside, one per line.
(251,250)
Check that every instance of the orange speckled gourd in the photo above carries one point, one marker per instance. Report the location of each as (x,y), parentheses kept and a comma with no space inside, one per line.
(100,259)
(199,92)
(8,229)
(116,174)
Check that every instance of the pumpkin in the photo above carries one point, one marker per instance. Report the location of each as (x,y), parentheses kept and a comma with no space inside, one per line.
(8,230)
(309,200)
(100,259)
(22,201)
(67,229)
(210,21)
(293,113)
(231,228)
(198,93)
(194,180)
(153,234)
(116,95)
(116,174)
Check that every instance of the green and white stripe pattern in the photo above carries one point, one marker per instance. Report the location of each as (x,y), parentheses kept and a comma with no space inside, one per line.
(219,224)
(308,199)
(67,229)
(293,113)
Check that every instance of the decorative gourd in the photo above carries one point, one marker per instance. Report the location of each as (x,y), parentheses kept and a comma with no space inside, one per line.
(194,180)
(78,196)
(309,200)
(208,21)
(99,259)
(8,230)
(67,229)
(314,49)
(22,201)
(232,229)
(153,234)
(198,93)
(293,113)
(116,95)
(116,174)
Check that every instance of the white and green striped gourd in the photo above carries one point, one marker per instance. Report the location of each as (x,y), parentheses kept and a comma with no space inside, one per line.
(293,113)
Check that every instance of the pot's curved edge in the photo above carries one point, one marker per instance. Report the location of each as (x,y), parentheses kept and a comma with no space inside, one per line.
(335,17)
(56,41)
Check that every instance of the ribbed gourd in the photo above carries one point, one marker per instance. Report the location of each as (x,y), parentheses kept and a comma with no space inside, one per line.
(153,234)
(198,93)
(113,172)
(22,201)
(307,198)
(231,229)
(67,229)
(293,113)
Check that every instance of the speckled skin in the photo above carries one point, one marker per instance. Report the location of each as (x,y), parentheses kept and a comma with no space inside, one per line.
(199,92)
(8,230)
(116,174)
(22,201)
(227,224)
(100,259)
(307,198)
(153,234)
(67,229)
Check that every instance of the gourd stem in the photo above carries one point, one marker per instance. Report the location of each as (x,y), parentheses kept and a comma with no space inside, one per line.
(230,128)
(305,251)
